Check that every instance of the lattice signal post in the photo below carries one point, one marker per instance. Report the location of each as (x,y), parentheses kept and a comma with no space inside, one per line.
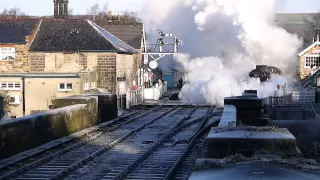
(162,48)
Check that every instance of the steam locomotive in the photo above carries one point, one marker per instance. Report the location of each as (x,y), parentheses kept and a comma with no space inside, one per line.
(264,72)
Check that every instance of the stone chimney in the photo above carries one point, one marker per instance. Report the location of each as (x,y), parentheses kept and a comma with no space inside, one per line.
(316,37)
(60,9)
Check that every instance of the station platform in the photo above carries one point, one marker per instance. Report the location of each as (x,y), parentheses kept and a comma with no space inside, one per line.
(165,98)
(255,171)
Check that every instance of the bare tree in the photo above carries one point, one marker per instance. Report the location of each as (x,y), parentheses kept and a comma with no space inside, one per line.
(12,13)
(312,22)
(70,12)
(131,17)
(94,10)
(101,15)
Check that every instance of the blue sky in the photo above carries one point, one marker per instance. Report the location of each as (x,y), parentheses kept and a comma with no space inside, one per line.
(45,7)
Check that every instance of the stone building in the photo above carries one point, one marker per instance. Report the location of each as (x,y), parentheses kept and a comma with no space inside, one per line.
(72,46)
(52,45)
(33,92)
(310,64)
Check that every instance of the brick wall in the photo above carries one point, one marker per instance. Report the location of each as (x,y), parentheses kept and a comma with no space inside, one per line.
(304,72)
(57,62)
(20,64)
(138,63)
(37,62)
(107,71)
(126,68)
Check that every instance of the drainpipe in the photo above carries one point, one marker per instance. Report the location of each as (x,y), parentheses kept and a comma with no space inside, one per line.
(23,96)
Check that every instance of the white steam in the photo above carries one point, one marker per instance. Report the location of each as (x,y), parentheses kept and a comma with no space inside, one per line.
(224,40)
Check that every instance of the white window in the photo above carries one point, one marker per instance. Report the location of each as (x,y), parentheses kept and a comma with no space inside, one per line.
(86,86)
(93,85)
(312,60)
(10,86)
(7,53)
(15,99)
(65,87)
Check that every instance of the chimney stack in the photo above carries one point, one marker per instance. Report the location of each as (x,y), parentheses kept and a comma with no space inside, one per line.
(316,37)
(60,9)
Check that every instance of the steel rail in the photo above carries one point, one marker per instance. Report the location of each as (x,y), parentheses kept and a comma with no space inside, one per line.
(193,141)
(109,146)
(178,127)
(52,156)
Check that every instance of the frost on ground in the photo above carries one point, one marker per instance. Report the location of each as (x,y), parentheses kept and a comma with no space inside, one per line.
(307,134)
(276,158)
(252,129)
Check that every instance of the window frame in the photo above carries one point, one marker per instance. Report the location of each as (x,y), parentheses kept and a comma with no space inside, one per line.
(316,56)
(65,86)
(86,86)
(16,99)
(8,51)
(16,86)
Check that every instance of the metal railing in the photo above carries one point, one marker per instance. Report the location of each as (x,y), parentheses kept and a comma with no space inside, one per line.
(298,105)
(283,108)
(294,113)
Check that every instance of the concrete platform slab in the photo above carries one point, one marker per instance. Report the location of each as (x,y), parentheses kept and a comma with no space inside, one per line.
(229,117)
(246,140)
(255,171)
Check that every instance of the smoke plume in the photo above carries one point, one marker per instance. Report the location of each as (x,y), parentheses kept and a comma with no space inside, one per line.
(223,41)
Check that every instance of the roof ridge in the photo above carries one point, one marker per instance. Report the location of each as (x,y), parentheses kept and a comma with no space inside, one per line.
(35,34)
(309,47)
(96,28)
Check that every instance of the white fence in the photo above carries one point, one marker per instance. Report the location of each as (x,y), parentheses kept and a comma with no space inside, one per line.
(155,93)
(134,97)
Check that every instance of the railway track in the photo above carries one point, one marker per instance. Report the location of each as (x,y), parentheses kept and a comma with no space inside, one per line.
(160,160)
(120,145)
(24,162)
(133,147)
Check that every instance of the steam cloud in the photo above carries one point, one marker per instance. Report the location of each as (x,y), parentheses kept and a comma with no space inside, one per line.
(223,41)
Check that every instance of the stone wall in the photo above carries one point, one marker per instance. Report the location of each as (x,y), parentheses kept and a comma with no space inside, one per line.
(20,64)
(31,131)
(125,69)
(304,72)
(107,71)
(104,63)
(37,62)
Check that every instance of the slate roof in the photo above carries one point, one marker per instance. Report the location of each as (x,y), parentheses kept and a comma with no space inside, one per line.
(15,31)
(69,35)
(129,33)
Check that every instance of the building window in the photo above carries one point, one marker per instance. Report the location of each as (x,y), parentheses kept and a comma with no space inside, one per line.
(7,53)
(86,86)
(10,86)
(312,60)
(15,99)
(93,85)
(65,87)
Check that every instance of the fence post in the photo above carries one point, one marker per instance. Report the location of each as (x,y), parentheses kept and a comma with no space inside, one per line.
(303,114)
(270,100)
(128,99)
(121,105)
